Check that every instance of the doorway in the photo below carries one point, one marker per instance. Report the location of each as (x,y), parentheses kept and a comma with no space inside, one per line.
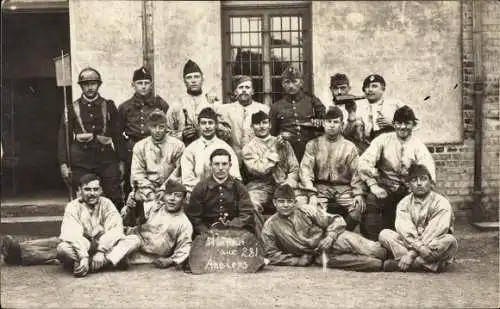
(32,104)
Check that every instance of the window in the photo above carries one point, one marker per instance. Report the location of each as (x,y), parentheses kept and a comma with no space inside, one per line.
(262,42)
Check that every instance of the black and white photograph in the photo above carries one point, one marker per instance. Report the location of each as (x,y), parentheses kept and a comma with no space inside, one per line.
(250,154)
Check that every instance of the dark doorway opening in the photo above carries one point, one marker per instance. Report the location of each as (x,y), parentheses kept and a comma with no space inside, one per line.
(32,104)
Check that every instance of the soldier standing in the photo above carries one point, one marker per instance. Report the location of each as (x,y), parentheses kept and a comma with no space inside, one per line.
(95,140)
(182,117)
(134,114)
(296,116)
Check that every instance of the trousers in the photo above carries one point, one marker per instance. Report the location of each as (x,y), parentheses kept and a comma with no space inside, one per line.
(444,246)
(34,252)
(351,251)
(123,247)
(336,199)
(381,213)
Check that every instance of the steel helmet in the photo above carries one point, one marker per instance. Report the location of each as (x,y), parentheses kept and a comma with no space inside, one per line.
(89,74)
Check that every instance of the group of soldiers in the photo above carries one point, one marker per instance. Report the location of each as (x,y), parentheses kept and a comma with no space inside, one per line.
(348,181)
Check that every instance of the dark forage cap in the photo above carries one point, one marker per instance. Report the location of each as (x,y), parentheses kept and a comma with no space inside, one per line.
(404,114)
(241,79)
(209,113)
(334,112)
(291,72)
(338,79)
(191,67)
(157,116)
(174,186)
(417,170)
(284,191)
(142,74)
(373,78)
(259,116)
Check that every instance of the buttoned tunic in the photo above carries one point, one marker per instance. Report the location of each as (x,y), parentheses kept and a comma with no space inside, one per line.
(290,112)
(211,201)
(134,115)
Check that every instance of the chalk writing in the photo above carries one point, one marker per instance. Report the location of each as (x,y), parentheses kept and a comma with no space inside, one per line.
(218,265)
(226,251)
(221,241)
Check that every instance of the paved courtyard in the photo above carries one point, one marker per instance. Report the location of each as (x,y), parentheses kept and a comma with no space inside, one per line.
(472,283)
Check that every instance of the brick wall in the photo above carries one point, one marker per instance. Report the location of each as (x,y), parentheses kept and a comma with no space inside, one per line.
(455,163)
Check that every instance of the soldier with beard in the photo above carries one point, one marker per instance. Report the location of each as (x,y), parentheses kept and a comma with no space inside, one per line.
(237,115)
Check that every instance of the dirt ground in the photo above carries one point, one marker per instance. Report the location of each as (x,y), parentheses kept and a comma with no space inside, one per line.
(473,282)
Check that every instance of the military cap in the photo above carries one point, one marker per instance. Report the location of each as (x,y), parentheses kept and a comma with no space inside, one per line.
(404,114)
(174,186)
(241,79)
(373,78)
(190,67)
(259,116)
(284,191)
(89,74)
(338,79)
(334,112)
(291,72)
(417,170)
(209,113)
(142,74)
(157,116)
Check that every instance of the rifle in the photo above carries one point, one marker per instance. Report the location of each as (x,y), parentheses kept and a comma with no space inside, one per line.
(343,99)
(66,128)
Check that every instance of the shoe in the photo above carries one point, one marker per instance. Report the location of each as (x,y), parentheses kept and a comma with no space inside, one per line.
(391,266)
(123,264)
(11,250)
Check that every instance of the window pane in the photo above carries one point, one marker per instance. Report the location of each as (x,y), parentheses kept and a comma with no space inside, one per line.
(276,23)
(235,39)
(285,23)
(241,31)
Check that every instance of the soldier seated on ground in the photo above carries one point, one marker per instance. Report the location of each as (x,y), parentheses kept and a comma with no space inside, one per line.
(166,235)
(424,223)
(92,235)
(298,235)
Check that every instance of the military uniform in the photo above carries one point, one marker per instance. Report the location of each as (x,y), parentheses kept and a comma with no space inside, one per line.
(95,142)
(293,114)
(133,115)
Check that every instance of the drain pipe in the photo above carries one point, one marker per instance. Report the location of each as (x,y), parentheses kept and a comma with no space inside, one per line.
(148,52)
(478,213)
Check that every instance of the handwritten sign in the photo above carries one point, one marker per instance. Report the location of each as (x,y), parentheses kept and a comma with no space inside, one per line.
(229,250)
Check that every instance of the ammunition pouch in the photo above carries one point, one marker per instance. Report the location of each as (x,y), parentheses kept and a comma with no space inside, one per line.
(84,137)
(104,140)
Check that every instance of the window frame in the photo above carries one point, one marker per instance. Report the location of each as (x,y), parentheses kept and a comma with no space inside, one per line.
(266,12)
